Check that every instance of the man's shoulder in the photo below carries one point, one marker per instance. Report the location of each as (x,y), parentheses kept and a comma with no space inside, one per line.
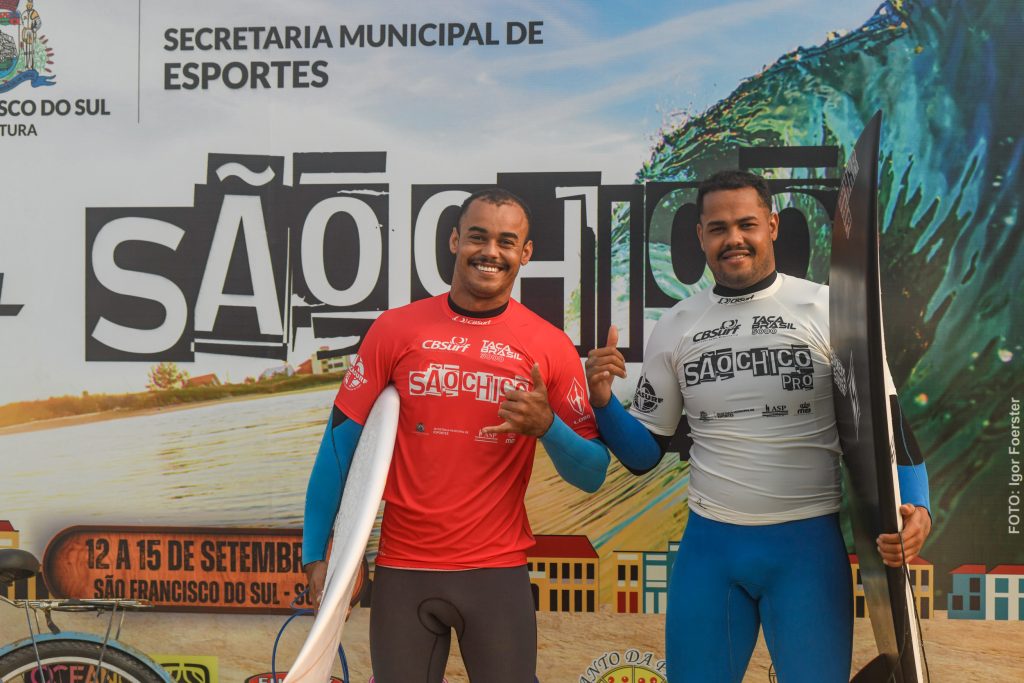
(527,322)
(401,317)
(687,309)
(802,290)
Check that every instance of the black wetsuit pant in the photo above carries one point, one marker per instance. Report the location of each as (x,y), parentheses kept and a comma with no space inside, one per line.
(490,610)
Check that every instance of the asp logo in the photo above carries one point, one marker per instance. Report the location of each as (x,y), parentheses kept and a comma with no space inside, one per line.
(25,55)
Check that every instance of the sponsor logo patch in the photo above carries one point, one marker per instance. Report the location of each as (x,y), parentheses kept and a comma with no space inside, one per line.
(729,300)
(355,376)
(769,324)
(706,416)
(456,344)
(726,329)
(577,398)
(775,411)
(498,351)
(645,400)
(471,321)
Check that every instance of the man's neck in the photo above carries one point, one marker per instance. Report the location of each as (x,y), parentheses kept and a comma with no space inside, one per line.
(490,313)
(722,290)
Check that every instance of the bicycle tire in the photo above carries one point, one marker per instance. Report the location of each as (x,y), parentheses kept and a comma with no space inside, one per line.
(59,657)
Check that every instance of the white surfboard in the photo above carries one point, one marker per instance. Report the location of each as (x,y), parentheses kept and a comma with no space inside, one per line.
(356,515)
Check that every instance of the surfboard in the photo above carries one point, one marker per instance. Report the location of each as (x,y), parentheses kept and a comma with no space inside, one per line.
(352,526)
(864,415)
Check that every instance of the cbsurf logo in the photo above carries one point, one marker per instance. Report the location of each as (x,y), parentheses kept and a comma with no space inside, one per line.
(727,328)
(25,54)
(456,344)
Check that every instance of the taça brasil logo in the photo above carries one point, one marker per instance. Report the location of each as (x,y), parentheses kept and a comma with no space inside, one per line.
(25,56)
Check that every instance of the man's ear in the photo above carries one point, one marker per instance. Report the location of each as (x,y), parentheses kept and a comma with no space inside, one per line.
(453,241)
(527,253)
(700,236)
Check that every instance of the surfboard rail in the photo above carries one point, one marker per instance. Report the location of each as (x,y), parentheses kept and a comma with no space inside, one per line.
(864,415)
(353,524)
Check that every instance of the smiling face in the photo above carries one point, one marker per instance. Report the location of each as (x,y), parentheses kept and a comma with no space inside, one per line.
(736,232)
(490,245)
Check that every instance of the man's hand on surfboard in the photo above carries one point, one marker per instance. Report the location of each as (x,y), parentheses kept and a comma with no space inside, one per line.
(603,365)
(917,524)
(525,412)
(316,577)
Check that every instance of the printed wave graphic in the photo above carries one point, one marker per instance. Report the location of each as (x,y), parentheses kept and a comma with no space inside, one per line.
(945,74)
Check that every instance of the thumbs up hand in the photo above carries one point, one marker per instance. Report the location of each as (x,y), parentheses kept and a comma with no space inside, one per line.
(603,365)
(525,412)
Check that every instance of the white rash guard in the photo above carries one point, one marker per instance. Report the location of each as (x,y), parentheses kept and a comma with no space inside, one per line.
(754,375)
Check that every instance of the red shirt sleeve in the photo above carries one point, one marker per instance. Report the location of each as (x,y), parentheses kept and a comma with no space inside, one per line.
(567,387)
(371,370)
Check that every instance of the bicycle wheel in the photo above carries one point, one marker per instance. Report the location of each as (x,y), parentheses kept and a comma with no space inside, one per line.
(63,661)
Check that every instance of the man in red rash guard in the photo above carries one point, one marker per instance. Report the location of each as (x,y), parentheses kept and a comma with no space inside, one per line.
(481,378)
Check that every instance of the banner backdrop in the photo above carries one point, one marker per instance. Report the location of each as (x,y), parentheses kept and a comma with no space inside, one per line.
(209,203)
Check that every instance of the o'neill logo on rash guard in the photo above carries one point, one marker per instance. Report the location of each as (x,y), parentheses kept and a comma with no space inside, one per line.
(729,300)
(471,321)
(448,381)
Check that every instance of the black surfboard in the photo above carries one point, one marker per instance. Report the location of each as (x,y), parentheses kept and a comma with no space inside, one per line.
(864,415)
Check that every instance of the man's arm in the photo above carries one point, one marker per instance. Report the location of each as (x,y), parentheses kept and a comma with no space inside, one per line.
(633,444)
(323,496)
(581,462)
(636,447)
(897,549)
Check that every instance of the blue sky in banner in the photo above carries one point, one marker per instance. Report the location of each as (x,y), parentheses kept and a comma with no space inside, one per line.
(592,97)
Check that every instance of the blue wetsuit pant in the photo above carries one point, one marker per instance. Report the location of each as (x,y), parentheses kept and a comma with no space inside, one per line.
(791,579)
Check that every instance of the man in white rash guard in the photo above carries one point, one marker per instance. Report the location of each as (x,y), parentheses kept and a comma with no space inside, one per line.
(749,360)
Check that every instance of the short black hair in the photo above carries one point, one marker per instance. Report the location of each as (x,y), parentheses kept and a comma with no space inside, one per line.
(496,196)
(733,180)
